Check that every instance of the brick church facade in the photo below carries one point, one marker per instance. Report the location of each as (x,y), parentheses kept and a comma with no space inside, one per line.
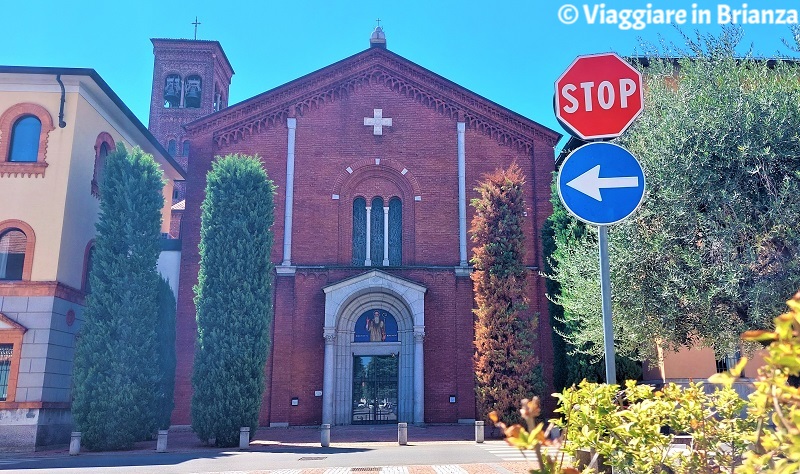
(375,160)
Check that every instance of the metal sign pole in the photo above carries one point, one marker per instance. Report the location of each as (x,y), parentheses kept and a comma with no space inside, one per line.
(601,184)
(605,293)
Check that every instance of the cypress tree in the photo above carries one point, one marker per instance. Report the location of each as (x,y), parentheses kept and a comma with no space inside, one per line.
(165,333)
(505,365)
(115,367)
(233,297)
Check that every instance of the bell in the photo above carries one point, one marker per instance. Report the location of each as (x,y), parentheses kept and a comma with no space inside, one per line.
(193,93)
(172,91)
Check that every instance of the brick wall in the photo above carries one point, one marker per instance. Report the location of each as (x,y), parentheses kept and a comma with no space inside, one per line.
(417,157)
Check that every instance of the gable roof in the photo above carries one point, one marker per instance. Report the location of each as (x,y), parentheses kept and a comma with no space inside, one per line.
(373,65)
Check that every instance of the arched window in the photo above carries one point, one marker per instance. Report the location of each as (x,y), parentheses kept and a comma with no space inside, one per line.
(395,232)
(25,140)
(171,147)
(185,149)
(193,92)
(172,91)
(103,145)
(13,244)
(359,231)
(376,234)
(24,132)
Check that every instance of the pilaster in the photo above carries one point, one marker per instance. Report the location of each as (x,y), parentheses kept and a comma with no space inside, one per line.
(291,126)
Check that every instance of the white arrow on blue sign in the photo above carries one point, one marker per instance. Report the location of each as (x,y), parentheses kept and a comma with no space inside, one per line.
(601,183)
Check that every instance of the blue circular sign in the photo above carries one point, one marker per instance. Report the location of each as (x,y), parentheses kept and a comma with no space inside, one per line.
(601,183)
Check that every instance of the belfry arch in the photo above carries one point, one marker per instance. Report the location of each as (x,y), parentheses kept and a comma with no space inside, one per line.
(345,301)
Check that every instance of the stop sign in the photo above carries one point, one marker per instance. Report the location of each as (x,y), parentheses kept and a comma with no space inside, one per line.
(598,96)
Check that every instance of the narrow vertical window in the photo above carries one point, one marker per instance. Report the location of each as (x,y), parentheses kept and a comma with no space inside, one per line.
(376,237)
(12,254)
(6,353)
(395,232)
(359,231)
(216,105)
(25,140)
(185,150)
(171,147)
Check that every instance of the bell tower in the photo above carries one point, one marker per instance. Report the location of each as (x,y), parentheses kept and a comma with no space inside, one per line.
(191,79)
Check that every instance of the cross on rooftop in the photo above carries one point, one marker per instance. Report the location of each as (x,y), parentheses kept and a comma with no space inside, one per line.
(379,21)
(195,26)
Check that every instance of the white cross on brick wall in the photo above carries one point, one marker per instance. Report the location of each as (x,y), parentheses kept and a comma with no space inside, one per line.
(377,121)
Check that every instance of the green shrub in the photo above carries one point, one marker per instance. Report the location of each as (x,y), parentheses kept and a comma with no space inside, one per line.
(233,297)
(776,401)
(116,358)
(626,427)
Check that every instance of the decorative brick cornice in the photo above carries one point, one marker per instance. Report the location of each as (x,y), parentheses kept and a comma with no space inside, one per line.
(25,170)
(374,66)
(34,405)
(42,288)
(192,47)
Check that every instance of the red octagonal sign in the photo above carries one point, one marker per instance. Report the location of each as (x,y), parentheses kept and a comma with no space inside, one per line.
(598,96)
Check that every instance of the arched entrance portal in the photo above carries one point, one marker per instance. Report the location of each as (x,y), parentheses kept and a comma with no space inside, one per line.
(351,348)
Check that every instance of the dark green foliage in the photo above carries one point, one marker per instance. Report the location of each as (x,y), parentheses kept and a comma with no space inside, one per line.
(556,222)
(505,364)
(165,332)
(571,365)
(582,367)
(233,297)
(116,358)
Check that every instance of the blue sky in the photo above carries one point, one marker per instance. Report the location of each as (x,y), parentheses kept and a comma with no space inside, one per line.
(508,51)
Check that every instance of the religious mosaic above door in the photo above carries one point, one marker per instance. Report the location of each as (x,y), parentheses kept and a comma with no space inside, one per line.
(376,326)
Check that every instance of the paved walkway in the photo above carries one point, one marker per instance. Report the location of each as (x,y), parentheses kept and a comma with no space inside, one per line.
(304,444)
(183,439)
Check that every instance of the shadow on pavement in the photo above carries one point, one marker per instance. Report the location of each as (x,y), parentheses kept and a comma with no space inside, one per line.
(152,459)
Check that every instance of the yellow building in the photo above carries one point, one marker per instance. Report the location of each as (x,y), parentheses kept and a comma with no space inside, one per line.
(56,127)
